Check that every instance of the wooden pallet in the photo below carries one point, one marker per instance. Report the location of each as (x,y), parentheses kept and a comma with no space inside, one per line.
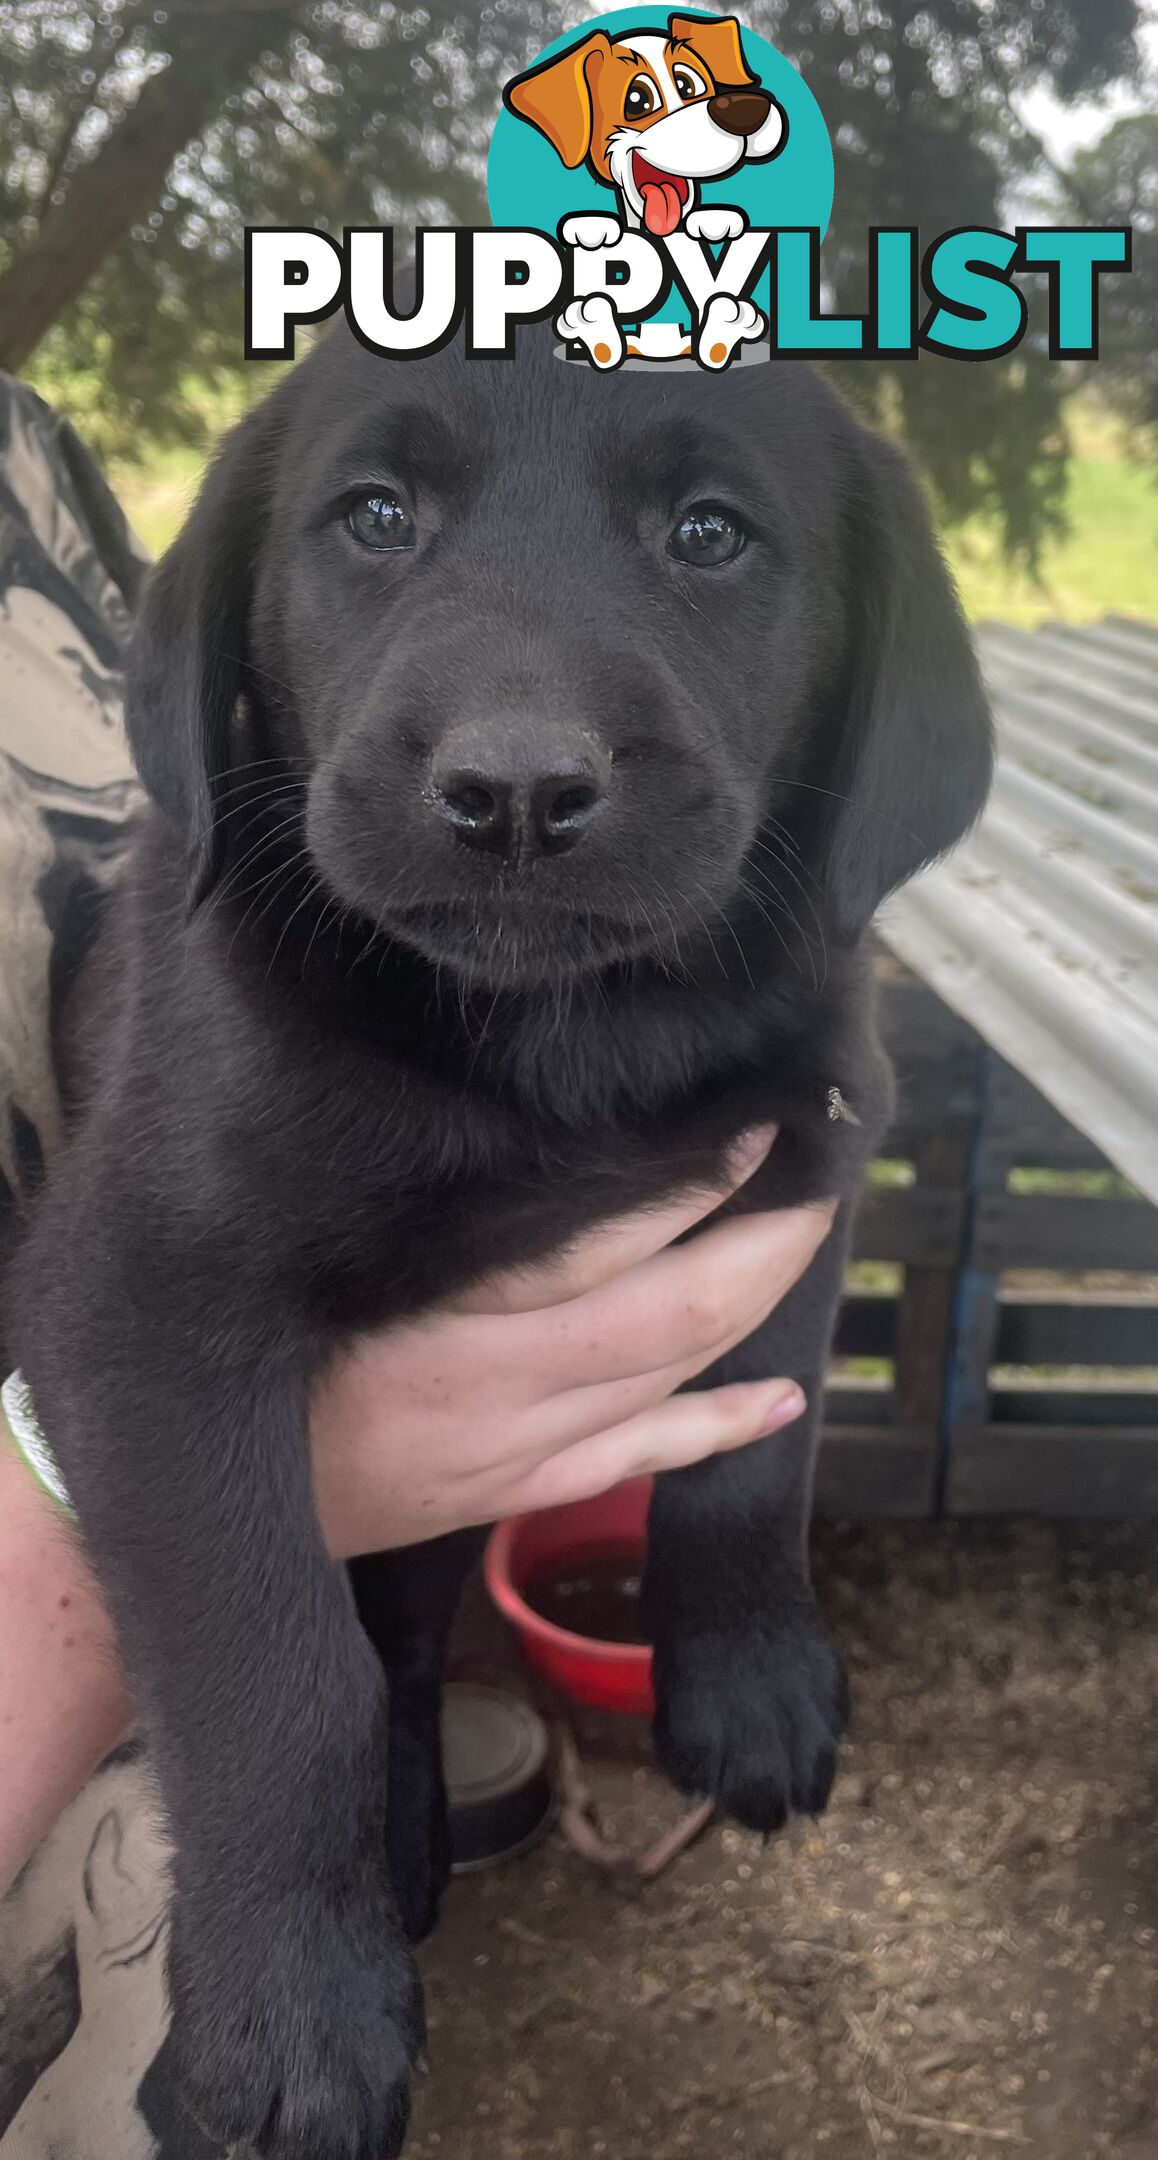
(998,1394)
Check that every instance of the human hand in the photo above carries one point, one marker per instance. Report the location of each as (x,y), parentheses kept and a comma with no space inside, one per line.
(544,1386)
(553,1383)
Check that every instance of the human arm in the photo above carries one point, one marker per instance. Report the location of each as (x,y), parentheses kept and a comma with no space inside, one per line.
(540,1389)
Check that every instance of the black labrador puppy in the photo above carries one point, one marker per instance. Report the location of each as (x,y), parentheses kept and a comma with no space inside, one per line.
(530,749)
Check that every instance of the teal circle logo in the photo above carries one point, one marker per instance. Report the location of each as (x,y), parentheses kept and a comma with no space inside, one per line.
(655,120)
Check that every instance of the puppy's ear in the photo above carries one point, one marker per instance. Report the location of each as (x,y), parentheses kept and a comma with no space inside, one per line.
(715,40)
(188,657)
(557,97)
(905,754)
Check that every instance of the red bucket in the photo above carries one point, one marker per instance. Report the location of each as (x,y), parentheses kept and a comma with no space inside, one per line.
(611,1675)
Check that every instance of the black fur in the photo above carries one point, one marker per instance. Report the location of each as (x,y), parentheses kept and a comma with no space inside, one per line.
(352,1063)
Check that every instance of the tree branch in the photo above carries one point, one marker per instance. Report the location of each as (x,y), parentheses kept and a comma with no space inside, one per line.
(122,182)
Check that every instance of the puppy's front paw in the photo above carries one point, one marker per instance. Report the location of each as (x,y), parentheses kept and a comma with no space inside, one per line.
(715,222)
(590,229)
(753,1723)
(295,2024)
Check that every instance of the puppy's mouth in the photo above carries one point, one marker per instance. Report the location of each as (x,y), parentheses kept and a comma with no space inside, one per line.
(517,948)
(664,195)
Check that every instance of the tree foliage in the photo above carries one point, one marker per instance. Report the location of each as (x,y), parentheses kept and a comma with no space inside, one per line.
(363,111)
(1116,183)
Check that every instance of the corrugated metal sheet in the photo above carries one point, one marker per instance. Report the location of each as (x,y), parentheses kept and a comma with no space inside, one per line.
(1042,929)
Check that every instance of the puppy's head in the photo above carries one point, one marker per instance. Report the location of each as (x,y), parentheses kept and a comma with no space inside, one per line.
(651,115)
(556,678)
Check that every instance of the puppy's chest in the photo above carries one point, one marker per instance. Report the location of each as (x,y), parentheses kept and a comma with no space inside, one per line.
(406,1243)
(399,1178)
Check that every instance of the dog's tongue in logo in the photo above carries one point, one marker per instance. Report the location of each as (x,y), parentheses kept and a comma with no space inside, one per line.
(664,196)
(661,206)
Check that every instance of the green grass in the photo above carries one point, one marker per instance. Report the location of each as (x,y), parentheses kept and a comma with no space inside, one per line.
(1108,560)
(157,489)
(156,486)
(1074,1184)
(157,494)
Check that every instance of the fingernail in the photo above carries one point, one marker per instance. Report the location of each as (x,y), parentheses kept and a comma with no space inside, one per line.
(750,1149)
(783,1409)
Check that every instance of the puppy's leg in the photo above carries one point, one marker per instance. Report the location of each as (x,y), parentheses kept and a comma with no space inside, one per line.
(296,2008)
(750,1693)
(406,1602)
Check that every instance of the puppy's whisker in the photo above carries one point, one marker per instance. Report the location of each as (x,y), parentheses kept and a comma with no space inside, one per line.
(253,806)
(274,876)
(666,906)
(276,773)
(796,863)
(733,933)
(781,901)
(657,942)
(773,890)
(799,875)
(812,789)
(272,884)
(222,898)
(276,757)
(333,905)
(261,846)
(483,1031)
(314,887)
(601,994)
(778,933)
(370,939)
(781,835)
(263,831)
(707,931)
(673,929)
(250,666)
(772,896)
(789,873)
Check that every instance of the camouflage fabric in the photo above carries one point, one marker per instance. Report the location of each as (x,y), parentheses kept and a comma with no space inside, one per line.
(70,571)
(83,2019)
(84,2059)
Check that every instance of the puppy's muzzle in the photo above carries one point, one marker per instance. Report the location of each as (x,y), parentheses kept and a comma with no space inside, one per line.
(518,793)
(740,112)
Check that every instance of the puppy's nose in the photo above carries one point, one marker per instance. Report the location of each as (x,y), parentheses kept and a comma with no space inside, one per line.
(506,801)
(740,112)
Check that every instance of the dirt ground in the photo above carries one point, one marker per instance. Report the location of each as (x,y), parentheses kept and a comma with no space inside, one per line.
(962,1958)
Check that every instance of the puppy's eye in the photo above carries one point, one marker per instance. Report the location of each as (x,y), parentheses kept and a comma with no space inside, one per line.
(707,535)
(642,98)
(379,520)
(688,83)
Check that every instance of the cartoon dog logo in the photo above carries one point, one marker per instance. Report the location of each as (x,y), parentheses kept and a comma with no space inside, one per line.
(651,117)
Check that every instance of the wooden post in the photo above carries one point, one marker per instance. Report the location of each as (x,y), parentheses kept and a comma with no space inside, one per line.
(974,1306)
